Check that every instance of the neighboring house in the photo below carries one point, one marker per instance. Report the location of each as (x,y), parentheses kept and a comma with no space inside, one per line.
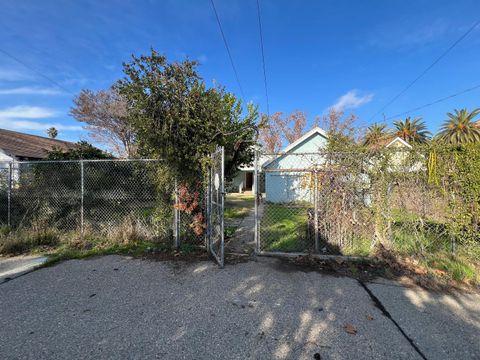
(399,143)
(399,160)
(284,174)
(20,146)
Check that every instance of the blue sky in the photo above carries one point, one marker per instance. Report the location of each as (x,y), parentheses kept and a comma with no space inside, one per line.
(353,54)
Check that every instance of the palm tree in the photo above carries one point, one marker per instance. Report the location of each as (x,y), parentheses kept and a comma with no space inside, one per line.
(376,135)
(460,128)
(52,133)
(412,131)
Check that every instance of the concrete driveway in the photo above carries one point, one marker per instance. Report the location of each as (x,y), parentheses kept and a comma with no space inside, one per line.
(115,307)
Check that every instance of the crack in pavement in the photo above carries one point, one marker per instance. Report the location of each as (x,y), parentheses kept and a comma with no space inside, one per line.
(385,312)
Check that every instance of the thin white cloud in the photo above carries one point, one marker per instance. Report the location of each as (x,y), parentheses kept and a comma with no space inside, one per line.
(19,118)
(394,36)
(35,125)
(26,112)
(29,90)
(352,100)
(14,75)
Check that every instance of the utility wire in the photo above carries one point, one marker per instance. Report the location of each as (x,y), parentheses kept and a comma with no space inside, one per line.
(434,102)
(263,58)
(36,72)
(228,49)
(427,69)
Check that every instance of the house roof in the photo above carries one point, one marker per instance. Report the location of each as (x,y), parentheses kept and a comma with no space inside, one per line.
(398,140)
(31,146)
(315,131)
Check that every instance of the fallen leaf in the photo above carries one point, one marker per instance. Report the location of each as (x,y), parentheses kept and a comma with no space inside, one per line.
(420,271)
(439,272)
(349,328)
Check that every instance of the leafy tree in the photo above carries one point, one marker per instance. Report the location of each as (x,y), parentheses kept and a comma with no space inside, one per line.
(376,135)
(81,151)
(460,128)
(176,118)
(52,133)
(412,130)
(105,114)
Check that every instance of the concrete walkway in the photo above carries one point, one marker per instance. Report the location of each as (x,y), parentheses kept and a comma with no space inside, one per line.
(12,267)
(115,307)
(243,241)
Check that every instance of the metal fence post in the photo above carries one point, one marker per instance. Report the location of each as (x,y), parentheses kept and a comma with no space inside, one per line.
(9,195)
(315,216)
(82,191)
(176,235)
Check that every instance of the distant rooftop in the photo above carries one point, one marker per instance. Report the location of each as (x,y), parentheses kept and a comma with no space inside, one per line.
(18,144)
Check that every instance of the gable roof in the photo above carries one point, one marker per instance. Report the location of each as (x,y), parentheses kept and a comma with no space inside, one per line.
(399,140)
(314,131)
(293,145)
(31,146)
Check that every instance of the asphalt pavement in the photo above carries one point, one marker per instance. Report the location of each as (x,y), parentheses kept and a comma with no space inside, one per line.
(116,307)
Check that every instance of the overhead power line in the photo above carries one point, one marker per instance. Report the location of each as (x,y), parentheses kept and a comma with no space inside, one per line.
(228,50)
(433,102)
(36,72)
(427,69)
(263,58)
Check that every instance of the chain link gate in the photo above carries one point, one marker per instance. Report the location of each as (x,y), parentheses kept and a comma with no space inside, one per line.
(216,195)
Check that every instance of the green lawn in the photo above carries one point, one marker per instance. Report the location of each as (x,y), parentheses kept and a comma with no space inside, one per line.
(238,206)
(284,228)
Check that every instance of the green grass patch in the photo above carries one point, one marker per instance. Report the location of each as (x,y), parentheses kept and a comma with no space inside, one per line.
(135,249)
(229,231)
(359,247)
(284,228)
(235,212)
(238,206)
(458,268)
(409,238)
(240,197)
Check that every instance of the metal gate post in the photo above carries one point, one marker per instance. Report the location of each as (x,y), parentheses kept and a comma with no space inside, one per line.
(9,195)
(222,206)
(315,216)
(257,197)
(81,197)
(209,209)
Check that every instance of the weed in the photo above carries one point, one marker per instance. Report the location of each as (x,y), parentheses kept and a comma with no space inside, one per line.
(229,231)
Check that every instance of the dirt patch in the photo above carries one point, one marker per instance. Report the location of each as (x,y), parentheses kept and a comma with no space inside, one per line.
(197,255)
(385,265)
(174,255)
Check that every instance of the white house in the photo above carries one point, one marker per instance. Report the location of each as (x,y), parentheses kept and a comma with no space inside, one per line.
(285,172)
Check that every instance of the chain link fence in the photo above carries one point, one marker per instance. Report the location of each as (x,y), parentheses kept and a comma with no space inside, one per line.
(100,197)
(349,203)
